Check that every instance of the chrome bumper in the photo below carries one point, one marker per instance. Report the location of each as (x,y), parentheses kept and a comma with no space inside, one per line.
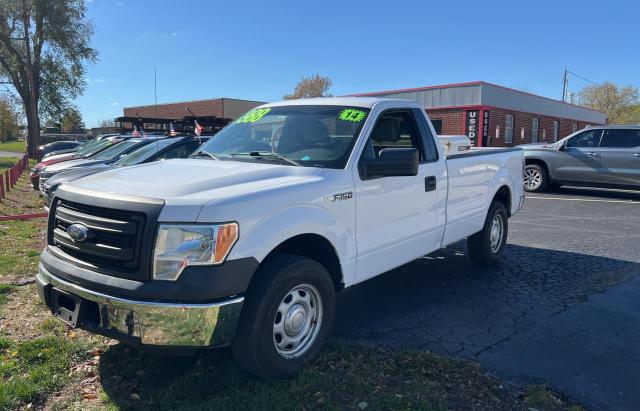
(151,323)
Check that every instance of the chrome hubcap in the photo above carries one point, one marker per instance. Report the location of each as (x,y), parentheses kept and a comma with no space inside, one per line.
(532,178)
(297,321)
(495,237)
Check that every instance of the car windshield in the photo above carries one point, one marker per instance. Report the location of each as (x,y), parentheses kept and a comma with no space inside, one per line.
(144,153)
(312,136)
(91,149)
(117,149)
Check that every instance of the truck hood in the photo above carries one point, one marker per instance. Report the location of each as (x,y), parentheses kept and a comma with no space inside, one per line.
(191,181)
(538,146)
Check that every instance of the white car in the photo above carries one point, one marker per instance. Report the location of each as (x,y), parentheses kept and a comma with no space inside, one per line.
(248,242)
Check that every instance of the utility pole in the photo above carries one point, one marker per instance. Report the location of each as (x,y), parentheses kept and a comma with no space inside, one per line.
(565,81)
(155,96)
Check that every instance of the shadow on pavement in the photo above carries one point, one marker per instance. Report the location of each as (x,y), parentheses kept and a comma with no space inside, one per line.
(611,194)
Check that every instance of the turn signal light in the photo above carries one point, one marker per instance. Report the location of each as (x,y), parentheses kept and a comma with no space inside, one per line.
(225,239)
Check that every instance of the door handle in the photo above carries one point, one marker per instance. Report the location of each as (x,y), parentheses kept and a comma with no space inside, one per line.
(592,154)
(430,183)
(636,155)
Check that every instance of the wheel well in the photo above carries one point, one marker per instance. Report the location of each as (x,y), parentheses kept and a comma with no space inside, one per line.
(503,195)
(317,248)
(537,162)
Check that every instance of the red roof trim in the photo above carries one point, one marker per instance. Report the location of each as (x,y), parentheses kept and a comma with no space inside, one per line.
(469,83)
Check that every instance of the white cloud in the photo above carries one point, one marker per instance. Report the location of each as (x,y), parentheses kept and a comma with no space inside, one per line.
(98,80)
(120,3)
(174,34)
(115,103)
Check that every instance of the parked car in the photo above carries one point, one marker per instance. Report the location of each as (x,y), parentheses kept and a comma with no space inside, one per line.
(598,156)
(161,149)
(57,146)
(107,156)
(247,245)
(81,146)
(93,147)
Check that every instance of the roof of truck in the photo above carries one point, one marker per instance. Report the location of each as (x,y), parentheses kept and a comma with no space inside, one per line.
(366,102)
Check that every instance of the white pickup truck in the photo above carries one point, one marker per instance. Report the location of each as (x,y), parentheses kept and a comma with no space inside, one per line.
(247,242)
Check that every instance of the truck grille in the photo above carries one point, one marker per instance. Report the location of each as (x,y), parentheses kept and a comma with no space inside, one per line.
(114,237)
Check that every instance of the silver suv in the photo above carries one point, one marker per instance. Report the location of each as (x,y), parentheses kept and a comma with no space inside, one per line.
(598,156)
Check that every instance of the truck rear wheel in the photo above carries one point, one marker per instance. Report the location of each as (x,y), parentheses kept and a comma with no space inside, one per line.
(287,317)
(485,247)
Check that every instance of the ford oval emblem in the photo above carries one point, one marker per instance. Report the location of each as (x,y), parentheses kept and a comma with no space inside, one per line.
(78,232)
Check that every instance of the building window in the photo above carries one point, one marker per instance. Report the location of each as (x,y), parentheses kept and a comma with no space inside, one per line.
(556,127)
(534,130)
(575,127)
(508,128)
(437,126)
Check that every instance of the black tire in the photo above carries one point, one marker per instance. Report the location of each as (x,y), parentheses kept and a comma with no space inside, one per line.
(254,346)
(536,178)
(479,245)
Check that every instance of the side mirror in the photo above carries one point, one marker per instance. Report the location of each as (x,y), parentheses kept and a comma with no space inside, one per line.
(562,146)
(393,162)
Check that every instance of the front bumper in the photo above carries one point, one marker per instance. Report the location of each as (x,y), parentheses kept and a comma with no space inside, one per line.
(140,322)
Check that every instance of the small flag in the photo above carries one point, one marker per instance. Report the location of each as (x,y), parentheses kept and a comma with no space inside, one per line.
(172,132)
(135,133)
(198,129)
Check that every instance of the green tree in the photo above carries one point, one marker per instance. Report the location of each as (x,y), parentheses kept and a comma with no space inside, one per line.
(71,121)
(44,46)
(613,100)
(308,87)
(631,116)
(9,127)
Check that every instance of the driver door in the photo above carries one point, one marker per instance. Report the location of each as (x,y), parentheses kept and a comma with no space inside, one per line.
(580,160)
(396,216)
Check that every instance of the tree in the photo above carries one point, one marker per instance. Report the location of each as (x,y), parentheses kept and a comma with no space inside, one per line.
(44,45)
(307,87)
(613,100)
(107,123)
(9,127)
(631,116)
(71,121)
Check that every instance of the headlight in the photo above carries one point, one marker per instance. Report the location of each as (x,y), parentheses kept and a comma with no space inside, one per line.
(182,245)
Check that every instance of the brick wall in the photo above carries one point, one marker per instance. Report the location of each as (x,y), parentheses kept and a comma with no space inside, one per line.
(453,120)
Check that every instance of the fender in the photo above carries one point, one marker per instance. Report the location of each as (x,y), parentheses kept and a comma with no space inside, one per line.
(500,179)
(268,233)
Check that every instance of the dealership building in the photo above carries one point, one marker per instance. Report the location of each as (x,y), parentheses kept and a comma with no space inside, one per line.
(497,116)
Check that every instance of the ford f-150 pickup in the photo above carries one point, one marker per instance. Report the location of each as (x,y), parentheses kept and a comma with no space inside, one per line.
(247,242)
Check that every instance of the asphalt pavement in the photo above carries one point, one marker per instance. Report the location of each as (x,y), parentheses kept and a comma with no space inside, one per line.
(563,308)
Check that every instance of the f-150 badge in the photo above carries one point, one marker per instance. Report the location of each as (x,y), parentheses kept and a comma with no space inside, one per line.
(339,197)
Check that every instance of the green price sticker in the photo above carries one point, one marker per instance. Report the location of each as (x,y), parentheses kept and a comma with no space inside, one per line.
(253,115)
(353,115)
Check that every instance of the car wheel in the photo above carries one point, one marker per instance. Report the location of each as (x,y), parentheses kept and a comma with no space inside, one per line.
(287,317)
(486,246)
(536,178)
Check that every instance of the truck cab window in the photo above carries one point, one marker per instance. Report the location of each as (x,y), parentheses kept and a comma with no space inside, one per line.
(621,138)
(589,139)
(394,129)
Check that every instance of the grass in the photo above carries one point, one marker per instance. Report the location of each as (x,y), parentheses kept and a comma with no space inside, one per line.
(7,162)
(46,365)
(14,146)
(32,368)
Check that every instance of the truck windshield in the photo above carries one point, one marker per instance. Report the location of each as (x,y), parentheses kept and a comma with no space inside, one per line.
(311,136)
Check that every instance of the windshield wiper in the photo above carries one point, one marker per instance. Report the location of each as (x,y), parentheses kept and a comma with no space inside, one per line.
(268,155)
(204,154)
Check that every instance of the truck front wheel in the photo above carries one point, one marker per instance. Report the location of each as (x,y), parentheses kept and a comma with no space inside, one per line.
(536,178)
(287,317)
(486,246)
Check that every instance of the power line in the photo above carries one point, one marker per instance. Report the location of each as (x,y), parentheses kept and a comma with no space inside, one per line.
(584,78)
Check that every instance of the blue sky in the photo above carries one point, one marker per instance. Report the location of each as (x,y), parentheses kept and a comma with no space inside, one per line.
(258,50)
